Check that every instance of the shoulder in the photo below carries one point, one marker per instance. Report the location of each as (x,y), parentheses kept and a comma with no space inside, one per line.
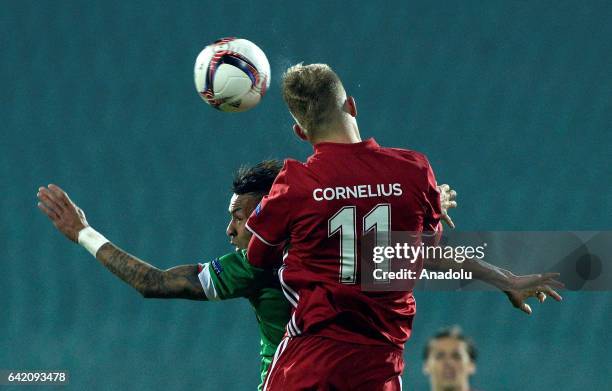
(408,154)
(236,265)
(234,260)
(236,256)
(292,176)
(414,157)
(292,167)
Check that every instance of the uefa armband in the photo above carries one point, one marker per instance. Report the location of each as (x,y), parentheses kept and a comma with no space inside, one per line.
(91,239)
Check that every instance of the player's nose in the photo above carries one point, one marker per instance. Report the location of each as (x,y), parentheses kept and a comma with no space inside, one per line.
(230,230)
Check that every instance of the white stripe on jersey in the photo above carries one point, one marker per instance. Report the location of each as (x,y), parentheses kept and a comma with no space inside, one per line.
(290,330)
(207,283)
(295,326)
(279,350)
(259,237)
(291,295)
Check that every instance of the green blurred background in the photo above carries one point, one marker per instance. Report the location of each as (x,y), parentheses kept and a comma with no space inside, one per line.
(511,101)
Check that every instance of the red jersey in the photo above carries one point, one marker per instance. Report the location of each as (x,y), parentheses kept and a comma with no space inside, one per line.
(318,212)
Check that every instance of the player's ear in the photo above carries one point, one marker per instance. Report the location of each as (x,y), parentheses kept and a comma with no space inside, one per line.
(300,132)
(350,106)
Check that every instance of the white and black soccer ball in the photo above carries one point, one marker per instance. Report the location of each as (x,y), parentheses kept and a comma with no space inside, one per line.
(232,74)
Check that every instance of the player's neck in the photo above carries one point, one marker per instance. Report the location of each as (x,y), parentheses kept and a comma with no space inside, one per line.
(347,133)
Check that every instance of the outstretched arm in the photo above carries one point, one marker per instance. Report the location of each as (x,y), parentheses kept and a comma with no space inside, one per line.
(151,282)
(177,282)
(517,288)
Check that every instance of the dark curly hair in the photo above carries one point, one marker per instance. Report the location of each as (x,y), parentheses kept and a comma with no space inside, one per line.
(256,179)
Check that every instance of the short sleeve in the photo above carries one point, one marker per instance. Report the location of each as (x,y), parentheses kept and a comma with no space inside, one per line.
(231,276)
(270,221)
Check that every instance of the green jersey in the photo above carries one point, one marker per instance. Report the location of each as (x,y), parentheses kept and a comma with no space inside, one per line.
(231,276)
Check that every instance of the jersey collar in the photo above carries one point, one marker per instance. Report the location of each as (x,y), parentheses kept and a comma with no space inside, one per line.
(369,144)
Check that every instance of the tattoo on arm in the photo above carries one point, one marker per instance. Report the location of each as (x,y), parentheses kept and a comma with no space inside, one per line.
(151,282)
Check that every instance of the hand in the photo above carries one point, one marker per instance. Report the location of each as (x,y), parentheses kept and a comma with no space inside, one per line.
(520,288)
(68,218)
(447,200)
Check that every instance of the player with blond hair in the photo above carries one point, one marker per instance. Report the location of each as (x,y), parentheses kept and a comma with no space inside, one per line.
(340,336)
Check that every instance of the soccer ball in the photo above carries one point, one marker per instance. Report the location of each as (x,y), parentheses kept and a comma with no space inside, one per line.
(232,74)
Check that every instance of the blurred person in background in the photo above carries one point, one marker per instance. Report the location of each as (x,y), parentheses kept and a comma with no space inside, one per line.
(449,360)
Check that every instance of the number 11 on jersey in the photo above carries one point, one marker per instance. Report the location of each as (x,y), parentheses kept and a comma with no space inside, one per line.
(344,222)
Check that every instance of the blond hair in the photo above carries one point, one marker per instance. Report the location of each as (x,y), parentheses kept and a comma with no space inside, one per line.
(314,95)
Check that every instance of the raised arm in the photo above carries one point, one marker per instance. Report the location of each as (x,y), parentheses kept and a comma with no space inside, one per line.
(177,282)
(151,282)
(517,288)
